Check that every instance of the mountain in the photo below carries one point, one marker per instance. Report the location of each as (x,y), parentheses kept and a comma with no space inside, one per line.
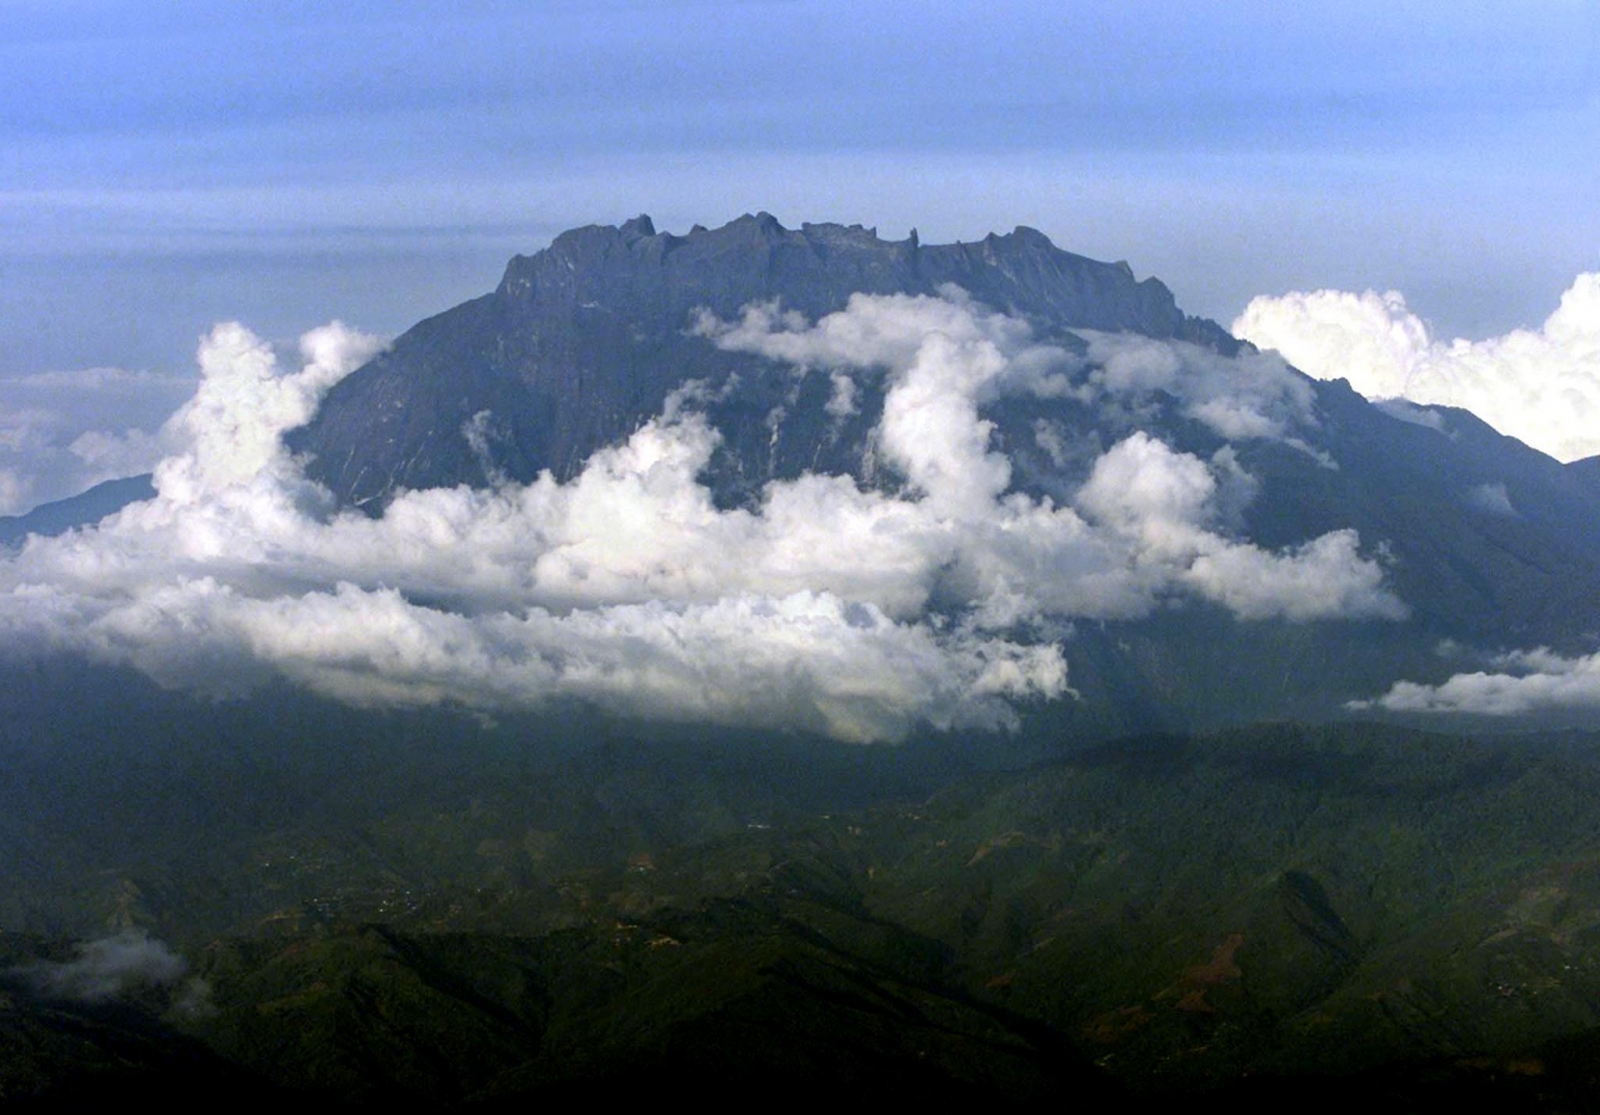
(583,341)
(1588,468)
(301,896)
(1488,544)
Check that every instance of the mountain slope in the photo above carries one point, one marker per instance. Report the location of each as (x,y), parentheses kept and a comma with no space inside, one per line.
(1371,909)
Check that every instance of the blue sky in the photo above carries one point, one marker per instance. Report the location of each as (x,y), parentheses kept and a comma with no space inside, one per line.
(166,164)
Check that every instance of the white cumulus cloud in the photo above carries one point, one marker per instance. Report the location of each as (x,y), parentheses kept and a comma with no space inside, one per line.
(1522,682)
(825,607)
(1541,386)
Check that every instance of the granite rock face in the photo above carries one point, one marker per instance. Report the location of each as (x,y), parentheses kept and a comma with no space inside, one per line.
(583,341)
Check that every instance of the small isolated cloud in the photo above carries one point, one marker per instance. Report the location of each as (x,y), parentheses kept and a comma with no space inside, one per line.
(826,607)
(109,969)
(842,400)
(1523,682)
(1541,386)
(1409,412)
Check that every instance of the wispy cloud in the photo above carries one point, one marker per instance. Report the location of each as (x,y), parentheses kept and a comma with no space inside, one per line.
(109,968)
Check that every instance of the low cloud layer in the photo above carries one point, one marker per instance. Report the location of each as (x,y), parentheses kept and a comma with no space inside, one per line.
(1522,682)
(854,613)
(1540,386)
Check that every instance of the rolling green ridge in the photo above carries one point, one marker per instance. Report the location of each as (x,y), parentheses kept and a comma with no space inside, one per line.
(429,911)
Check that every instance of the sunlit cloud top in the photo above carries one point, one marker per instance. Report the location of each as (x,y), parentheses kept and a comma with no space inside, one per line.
(1539,385)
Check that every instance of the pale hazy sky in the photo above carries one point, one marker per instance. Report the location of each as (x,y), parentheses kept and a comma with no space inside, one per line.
(169,163)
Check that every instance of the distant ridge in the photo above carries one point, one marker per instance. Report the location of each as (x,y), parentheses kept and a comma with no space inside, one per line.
(62,515)
(1588,468)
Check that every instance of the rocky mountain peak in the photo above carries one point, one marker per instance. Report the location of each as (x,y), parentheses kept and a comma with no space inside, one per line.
(583,341)
(643,275)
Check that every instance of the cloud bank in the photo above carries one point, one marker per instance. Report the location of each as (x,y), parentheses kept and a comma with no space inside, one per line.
(829,608)
(1523,682)
(1540,386)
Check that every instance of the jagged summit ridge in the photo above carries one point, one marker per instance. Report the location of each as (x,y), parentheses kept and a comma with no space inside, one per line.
(815,268)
